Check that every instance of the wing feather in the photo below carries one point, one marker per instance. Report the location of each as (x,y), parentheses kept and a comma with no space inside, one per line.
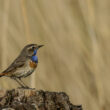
(19,62)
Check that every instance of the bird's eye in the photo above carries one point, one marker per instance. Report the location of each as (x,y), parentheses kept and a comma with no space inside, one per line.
(33,48)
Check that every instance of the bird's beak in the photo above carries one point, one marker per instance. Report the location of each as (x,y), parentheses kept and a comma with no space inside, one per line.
(39,46)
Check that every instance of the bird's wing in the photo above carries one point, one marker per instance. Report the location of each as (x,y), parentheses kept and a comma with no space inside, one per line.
(19,62)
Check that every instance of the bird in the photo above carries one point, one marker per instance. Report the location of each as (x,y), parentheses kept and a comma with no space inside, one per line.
(24,65)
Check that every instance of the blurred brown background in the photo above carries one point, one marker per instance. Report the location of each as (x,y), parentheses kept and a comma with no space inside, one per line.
(76,56)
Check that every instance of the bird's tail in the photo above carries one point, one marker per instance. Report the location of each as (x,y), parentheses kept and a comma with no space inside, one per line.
(2,74)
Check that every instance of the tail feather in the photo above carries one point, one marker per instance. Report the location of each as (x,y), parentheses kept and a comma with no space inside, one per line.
(2,74)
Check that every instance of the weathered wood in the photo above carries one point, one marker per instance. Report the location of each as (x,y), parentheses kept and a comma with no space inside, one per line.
(31,99)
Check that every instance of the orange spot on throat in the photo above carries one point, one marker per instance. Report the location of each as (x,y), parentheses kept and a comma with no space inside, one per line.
(33,64)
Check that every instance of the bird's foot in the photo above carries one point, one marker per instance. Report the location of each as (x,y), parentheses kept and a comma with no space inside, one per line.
(25,87)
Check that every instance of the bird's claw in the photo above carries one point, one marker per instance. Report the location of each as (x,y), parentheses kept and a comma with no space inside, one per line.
(25,87)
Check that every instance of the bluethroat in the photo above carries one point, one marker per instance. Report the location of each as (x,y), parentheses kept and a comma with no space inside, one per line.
(24,65)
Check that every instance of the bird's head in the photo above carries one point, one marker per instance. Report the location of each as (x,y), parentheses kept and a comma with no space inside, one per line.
(30,50)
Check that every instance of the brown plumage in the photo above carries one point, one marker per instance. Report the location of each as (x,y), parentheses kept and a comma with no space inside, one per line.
(23,65)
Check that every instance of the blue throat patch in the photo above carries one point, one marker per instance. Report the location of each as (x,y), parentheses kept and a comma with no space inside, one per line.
(35,52)
(34,58)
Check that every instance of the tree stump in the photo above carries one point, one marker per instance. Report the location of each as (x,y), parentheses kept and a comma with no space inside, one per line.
(31,99)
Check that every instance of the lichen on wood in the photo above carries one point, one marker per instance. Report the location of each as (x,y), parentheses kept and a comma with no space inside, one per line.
(32,99)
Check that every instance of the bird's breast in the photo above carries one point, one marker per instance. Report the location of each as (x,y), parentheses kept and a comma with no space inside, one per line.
(32,64)
(26,70)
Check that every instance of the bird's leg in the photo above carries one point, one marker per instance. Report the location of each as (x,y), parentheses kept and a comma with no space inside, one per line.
(23,83)
(19,82)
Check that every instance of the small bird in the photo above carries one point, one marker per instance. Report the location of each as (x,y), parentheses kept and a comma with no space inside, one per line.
(24,65)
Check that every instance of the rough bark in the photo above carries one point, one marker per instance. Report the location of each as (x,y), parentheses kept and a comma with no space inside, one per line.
(31,99)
